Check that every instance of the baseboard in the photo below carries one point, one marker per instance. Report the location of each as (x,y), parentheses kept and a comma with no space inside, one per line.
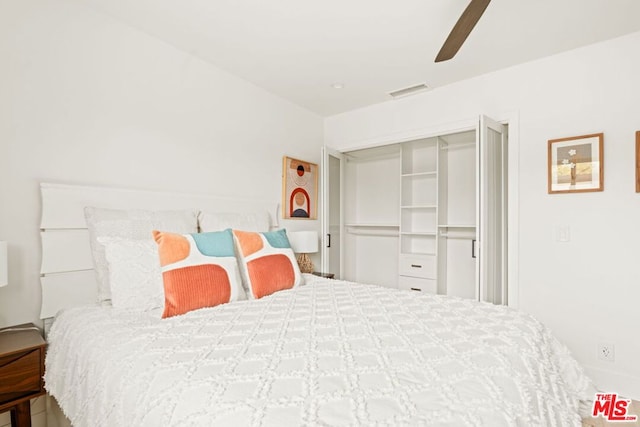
(614,382)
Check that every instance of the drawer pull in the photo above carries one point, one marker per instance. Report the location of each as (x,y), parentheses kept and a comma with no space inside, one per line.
(416,289)
(416,266)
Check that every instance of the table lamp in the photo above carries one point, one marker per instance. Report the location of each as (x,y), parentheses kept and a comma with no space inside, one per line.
(304,243)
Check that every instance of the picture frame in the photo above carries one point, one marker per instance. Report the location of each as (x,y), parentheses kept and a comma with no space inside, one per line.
(576,164)
(638,161)
(299,189)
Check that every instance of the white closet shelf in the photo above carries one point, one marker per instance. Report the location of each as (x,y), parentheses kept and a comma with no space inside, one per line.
(372,225)
(458,236)
(412,174)
(446,146)
(457,226)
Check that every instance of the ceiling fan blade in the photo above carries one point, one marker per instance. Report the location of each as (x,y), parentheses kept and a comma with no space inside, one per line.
(461,30)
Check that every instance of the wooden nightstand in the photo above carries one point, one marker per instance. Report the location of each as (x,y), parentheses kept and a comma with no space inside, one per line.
(21,371)
(325,275)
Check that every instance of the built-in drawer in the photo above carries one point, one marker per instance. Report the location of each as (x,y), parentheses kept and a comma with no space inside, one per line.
(418,266)
(418,284)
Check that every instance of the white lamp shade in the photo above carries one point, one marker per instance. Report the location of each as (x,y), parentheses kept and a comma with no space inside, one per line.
(4,268)
(303,242)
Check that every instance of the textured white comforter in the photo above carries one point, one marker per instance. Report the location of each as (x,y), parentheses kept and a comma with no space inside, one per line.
(327,353)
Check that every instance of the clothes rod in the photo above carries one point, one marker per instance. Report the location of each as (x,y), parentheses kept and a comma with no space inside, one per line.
(457,145)
(460,236)
(374,233)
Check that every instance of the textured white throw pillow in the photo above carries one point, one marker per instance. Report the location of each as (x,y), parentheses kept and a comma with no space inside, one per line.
(213,221)
(135,277)
(132,225)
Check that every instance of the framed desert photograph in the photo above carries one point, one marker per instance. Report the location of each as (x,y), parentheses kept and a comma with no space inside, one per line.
(575,164)
(299,189)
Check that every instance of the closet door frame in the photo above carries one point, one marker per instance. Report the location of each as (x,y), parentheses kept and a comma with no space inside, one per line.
(484,193)
(512,120)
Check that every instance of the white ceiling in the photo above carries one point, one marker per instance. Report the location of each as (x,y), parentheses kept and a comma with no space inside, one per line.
(298,48)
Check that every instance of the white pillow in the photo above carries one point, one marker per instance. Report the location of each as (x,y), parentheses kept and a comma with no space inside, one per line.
(211,221)
(132,225)
(135,276)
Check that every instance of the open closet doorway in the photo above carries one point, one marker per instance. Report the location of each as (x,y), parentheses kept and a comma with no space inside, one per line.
(437,221)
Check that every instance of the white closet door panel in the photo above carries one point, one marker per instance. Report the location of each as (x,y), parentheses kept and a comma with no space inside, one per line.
(492,265)
(333,219)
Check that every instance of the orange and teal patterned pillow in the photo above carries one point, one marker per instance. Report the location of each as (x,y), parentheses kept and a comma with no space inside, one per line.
(267,262)
(198,270)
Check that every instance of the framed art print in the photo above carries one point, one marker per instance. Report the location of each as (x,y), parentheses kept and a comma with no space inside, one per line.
(575,164)
(299,189)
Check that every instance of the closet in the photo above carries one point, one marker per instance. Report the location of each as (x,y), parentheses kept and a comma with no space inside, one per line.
(426,214)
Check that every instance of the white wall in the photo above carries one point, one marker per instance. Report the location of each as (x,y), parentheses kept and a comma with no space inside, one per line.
(86,99)
(588,290)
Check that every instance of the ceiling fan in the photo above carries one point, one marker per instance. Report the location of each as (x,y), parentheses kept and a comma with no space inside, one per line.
(461,30)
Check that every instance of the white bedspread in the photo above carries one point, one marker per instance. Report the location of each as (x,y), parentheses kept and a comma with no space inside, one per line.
(328,353)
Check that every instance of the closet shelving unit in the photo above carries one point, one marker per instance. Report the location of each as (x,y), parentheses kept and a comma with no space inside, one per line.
(418,215)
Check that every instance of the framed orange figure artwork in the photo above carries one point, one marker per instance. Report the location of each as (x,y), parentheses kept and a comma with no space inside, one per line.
(299,189)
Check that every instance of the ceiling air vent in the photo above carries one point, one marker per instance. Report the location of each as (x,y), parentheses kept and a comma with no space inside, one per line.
(409,90)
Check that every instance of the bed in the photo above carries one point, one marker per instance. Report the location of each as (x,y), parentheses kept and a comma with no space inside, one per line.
(326,353)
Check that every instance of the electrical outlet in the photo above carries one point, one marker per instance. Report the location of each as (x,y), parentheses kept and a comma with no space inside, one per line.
(606,352)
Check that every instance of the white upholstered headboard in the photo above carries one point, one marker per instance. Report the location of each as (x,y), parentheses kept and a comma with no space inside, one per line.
(66,274)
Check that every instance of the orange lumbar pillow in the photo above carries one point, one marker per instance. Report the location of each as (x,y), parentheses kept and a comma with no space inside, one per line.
(198,270)
(267,261)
